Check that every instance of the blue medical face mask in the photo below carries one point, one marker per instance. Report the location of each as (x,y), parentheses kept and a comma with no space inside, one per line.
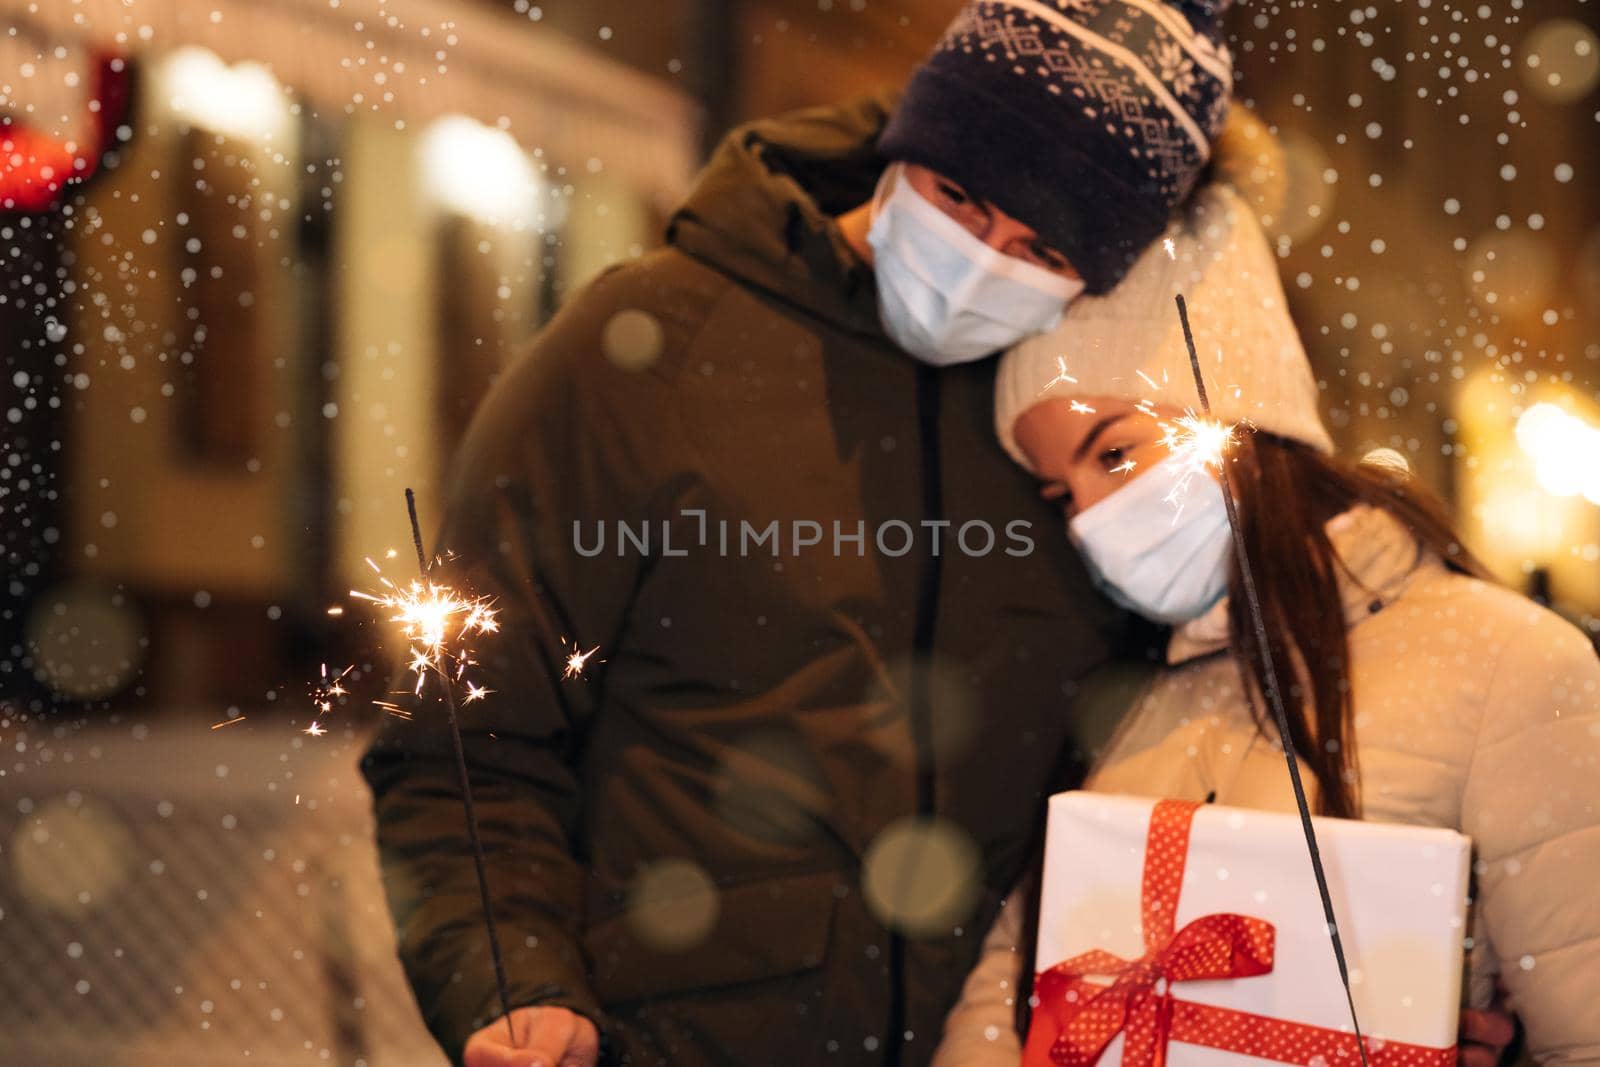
(1167,563)
(944,295)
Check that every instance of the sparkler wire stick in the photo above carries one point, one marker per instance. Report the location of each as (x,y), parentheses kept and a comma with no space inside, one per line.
(501,985)
(1275,696)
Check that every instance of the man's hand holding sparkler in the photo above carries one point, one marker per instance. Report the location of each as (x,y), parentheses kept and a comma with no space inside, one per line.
(546,1037)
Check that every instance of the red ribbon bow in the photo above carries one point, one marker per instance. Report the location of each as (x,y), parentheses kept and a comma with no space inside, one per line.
(1079,1018)
(1076,1019)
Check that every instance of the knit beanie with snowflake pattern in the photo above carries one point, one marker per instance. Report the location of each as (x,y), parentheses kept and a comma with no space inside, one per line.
(1088,120)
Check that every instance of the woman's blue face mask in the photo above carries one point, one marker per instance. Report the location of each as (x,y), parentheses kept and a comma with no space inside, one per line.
(944,295)
(1159,545)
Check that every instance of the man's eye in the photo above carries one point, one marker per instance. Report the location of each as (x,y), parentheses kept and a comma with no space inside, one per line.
(1049,257)
(954,193)
(1111,457)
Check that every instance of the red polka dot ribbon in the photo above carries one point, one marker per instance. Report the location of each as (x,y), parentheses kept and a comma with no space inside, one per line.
(1076,1019)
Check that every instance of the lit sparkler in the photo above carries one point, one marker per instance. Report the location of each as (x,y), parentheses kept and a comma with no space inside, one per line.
(438,621)
(1198,444)
(1208,447)
(578,661)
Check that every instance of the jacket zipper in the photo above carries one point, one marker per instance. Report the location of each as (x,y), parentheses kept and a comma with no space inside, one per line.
(919,694)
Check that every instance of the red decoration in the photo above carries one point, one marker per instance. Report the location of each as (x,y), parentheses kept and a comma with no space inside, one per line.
(36,168)
(1076,1019)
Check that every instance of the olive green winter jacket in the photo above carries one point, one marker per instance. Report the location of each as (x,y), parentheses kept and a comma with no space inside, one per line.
(839,637)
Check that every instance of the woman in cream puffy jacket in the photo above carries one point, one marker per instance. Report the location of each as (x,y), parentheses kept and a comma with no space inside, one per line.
(1427,695)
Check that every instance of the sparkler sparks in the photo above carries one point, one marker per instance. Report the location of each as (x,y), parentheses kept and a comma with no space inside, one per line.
(1124,468)
(1061,378)
(438,621)
(326,693)
(230,722)
(577,661)
(1197,443)
(1200,442)
(393,709)
(1171,249)
(328,690)
(1082,408)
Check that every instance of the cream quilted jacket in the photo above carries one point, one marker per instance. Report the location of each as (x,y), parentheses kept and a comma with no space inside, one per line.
(1476,709)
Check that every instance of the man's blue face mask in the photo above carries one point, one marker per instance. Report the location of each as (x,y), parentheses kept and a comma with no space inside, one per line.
(945,296)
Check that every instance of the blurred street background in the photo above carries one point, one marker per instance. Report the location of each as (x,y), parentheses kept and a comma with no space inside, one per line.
(303,236)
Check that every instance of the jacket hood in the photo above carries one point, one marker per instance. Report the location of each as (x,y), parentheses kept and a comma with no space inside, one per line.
(763,209)
(1379,557)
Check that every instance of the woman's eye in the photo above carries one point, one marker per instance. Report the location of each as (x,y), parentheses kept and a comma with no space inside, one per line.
(1111,457)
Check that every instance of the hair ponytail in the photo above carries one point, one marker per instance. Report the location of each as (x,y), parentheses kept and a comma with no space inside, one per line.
(1287,493)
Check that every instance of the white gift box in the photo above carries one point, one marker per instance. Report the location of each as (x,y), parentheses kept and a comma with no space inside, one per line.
(1399,895)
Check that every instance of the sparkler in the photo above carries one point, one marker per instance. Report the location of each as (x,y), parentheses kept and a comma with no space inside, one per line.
(1198,444)
(1212,447)
(437,620)
(432,617)
(577,661)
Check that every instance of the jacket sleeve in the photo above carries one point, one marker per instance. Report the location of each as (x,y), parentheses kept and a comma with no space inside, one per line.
(1532,806)
(564,437)
(981,1030)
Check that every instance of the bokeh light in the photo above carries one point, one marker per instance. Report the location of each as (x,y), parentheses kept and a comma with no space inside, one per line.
(951,715)
(1512,272)
(481,172)
(1560,60)
(1565,450)
(243,100)
(1308,190)
(672,905)
(87,641)
(70,855)
(770,787)
(922,875)
(632,339)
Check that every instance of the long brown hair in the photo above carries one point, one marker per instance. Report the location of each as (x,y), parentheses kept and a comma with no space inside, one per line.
(1287,492)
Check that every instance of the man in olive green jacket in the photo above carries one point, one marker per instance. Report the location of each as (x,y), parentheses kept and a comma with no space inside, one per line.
(839,634)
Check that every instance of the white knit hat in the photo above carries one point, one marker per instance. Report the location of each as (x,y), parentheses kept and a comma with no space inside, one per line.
(1129,343)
